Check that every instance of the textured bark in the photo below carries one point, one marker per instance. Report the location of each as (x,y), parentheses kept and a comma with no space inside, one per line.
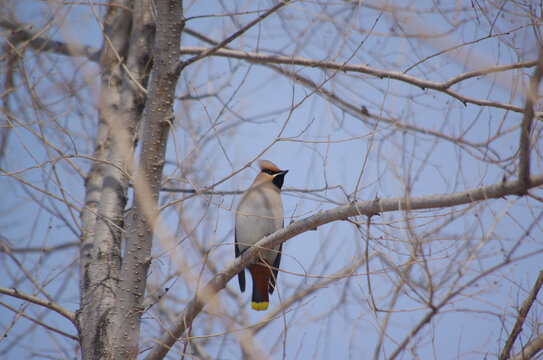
(101,221)
(121,108)
(139,235)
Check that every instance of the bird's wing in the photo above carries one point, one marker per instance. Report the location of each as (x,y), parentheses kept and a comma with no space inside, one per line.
(241,274)
(275,270)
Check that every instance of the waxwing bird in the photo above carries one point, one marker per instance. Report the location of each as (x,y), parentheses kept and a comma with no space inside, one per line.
(260,213)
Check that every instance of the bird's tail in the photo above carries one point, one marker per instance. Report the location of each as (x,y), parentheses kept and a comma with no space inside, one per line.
(261,278)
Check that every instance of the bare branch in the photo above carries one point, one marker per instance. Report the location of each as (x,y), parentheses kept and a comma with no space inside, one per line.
(533,347)
(40,323)
(20,34)
(526,305)
(367,208)
(357,111)
(47,249)
(38,301)
(444,87)
(228,40)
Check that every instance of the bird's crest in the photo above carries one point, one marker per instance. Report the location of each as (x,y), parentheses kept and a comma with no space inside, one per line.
(268,165)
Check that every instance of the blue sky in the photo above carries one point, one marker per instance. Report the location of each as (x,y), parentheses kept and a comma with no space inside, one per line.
(322,146)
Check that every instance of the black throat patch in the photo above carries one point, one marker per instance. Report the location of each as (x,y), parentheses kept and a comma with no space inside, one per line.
(278,180)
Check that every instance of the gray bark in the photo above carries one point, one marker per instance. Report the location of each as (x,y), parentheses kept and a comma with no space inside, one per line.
(121,108)
(102,216)
(139,235)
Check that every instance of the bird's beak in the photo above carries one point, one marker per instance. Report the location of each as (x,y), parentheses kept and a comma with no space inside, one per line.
(283,172)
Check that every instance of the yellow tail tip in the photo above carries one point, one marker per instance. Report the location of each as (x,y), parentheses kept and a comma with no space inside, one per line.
(259,305)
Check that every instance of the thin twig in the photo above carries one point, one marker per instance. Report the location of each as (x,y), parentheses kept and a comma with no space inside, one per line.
(228,40)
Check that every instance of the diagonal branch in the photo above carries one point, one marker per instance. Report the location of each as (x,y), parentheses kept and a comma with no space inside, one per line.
(526,305)
(533,347)
(367,208)
(210,51)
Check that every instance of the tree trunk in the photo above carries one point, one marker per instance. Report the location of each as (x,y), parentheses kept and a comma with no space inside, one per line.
(123,101)
(158,121)
(102,217)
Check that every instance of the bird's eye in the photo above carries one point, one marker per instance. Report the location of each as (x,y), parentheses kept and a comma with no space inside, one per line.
(267,171)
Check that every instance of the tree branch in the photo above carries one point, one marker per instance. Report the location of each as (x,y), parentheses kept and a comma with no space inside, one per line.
(526,305)
(38,322)
(210,51)
(367,208)
(444,87)
(39,301)
(532,348)
(19,35)
(355,110)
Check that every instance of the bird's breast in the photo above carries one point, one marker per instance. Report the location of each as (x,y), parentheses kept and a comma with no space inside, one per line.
(260,213)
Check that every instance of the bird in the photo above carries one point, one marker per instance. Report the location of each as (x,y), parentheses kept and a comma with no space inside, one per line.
(260,213)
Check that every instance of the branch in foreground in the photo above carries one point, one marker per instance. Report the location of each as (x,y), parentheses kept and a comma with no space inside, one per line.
(366,208)
(523,312)
(532,348)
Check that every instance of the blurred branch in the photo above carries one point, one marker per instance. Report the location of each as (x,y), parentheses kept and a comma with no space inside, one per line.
(367,208)
(38,301)
(444,86)
(526,305)
(532,348)
(526,125)
(19,34)
(8,89)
